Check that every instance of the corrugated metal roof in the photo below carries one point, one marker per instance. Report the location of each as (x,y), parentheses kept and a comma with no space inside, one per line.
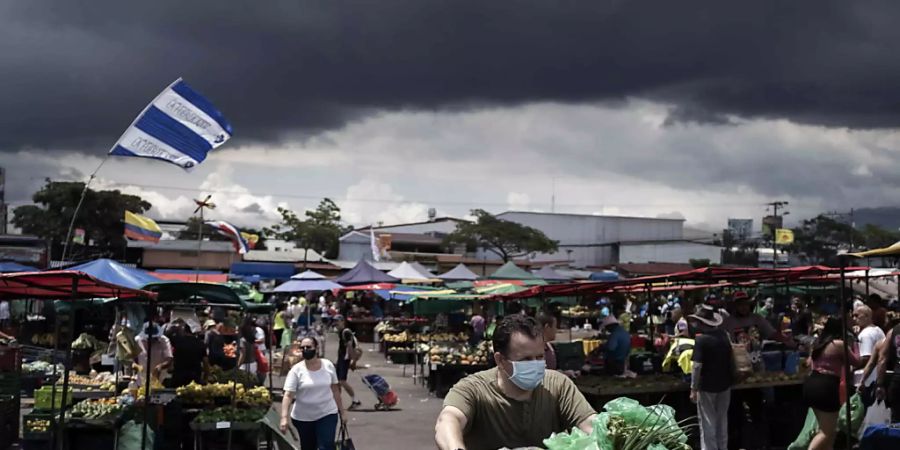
(183,245)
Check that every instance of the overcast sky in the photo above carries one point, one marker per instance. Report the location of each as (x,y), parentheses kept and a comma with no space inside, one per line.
(704,110)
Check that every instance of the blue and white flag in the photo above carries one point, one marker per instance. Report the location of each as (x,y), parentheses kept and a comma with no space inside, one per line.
(179,126)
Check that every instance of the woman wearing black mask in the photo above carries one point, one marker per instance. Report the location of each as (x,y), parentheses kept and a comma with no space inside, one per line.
(312,386)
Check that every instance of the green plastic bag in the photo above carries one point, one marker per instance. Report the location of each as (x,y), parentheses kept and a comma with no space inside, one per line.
(575,440)
(130,436)
(810,427)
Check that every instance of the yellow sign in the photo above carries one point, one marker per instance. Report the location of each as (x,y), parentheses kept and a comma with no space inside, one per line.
(784,236)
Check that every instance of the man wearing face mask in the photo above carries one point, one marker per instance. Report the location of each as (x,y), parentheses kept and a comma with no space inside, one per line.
(516,404)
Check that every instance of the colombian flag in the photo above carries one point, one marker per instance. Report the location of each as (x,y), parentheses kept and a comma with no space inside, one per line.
(140,228)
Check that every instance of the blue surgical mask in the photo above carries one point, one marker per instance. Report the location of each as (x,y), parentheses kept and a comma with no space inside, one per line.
(528,375)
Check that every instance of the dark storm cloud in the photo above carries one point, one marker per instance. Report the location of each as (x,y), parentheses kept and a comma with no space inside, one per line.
(74,74)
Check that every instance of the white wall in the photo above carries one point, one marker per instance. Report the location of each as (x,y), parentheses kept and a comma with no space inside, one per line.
(672,252)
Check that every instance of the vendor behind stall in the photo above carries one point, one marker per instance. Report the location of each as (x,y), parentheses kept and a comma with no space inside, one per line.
(617,347)
(160,352)
(222,345)
(188,357)
(516,404)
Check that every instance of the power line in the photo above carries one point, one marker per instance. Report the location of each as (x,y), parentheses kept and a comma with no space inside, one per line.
(427,202)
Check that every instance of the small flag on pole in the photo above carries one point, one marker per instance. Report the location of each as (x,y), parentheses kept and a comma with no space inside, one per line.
(784,236)
(179,126)
(251,239)
(140,228)
(226,229)
(78,238)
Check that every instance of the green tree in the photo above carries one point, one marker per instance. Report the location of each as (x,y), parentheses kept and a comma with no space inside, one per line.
(101,215)
(818,240)
(320,230)
(504,238)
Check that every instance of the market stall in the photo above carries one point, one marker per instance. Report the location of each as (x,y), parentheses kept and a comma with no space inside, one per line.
(50,421)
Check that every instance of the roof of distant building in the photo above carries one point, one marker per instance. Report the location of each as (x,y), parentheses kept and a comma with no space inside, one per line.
(184,245)
(589,215)
(437,219)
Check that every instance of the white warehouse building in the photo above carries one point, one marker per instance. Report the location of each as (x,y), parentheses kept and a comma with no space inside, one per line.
(594,240)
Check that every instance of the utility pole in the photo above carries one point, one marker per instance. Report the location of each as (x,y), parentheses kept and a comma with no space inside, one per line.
(852,224)
(775,205)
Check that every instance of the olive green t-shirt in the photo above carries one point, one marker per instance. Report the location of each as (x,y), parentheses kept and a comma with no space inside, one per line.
(496,421)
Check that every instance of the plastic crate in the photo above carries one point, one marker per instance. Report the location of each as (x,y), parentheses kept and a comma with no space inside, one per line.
(27,432)
(43,396)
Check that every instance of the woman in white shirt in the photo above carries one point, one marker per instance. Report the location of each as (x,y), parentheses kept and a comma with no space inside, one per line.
(312,386)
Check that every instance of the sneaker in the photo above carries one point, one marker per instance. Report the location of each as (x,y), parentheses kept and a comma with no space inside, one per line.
(355,405)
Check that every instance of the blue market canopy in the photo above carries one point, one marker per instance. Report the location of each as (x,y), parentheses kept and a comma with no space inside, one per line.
(116,273)
(605,275)
(459,273)
(364,273)
(13,267)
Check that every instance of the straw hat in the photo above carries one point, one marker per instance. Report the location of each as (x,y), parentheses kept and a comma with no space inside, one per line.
(708,316)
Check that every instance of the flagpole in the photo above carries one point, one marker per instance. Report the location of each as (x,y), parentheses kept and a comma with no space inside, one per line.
(199,247)
(94,174)
(78,208)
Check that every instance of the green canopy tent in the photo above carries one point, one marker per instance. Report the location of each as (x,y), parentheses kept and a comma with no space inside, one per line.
(510,271)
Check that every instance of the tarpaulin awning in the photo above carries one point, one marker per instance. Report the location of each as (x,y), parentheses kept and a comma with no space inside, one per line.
(13,267)
(404,293)
(405,271)
(307,285)
(549,274)
(510,271)
(422,269)
(199,294)
(63,284)
(191,276)
(459,273)
(604,275)
(308,275)
(893,250)
(370,287)
(115,273)
(364,273)
(254,271)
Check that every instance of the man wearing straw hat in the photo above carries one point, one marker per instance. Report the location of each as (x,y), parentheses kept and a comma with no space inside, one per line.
(712,376)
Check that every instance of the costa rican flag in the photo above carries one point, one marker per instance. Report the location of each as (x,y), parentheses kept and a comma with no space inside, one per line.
(179,126)
(226,229)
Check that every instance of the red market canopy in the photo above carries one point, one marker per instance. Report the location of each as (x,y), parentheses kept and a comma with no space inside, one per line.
(709,276)
(63,285)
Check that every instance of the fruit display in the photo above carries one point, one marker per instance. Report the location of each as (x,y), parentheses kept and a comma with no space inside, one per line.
(196,394)
(461,354)
(230,414)
(95,409)
(579,312)
(43,339)
(406,337)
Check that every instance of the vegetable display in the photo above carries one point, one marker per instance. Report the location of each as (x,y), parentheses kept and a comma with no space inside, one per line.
(230,414)
(95,409)
(627,425)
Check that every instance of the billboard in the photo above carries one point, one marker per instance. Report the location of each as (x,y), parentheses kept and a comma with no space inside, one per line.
(740,229)
(770,224)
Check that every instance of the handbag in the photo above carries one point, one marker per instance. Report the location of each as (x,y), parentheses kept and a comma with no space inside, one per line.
(344,442)
(262,364)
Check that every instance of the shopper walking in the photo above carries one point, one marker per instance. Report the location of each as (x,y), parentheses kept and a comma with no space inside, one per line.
(347,356)
(889,384)
(312,399)
(712,376)
(821,390)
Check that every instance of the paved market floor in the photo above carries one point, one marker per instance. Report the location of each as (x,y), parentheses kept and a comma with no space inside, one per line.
(409,426)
